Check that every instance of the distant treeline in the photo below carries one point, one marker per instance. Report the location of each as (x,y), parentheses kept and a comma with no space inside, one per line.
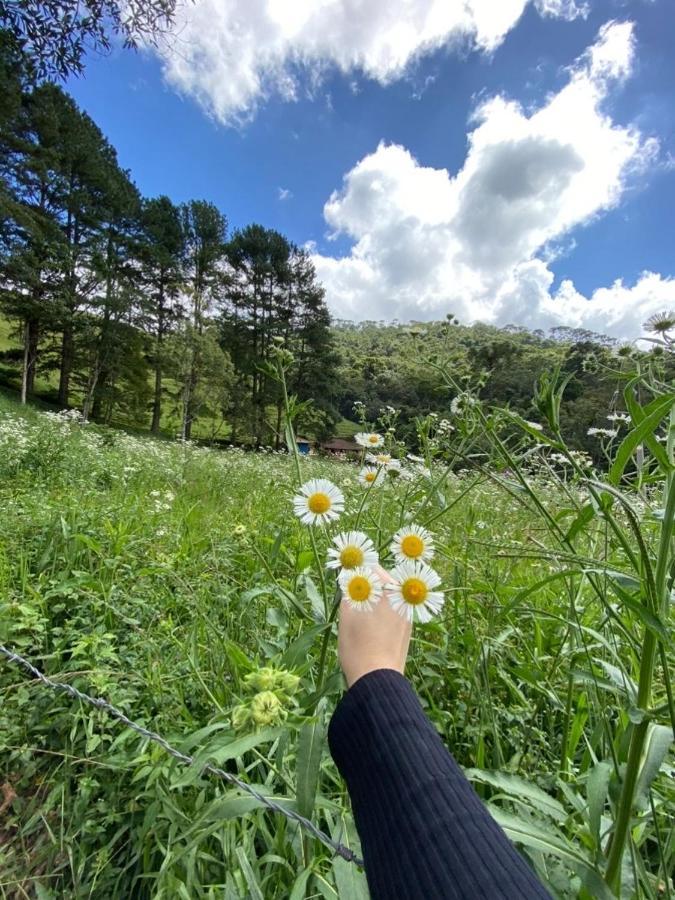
(142,311)
(395,365)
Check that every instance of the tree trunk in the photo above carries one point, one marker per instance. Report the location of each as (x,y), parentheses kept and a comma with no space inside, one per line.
(157,401)
(89,399)
(67,358)
(186,425)
(24,368)
(97,395)
(31,338)
(110,407)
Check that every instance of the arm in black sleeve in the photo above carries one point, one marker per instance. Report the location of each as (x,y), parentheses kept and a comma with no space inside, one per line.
(424,831)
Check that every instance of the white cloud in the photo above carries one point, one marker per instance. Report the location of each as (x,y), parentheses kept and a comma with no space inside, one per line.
(476,243)
(284,193)
(563,9)
(232,54)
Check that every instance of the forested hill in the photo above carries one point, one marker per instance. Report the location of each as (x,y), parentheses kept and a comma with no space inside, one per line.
(379,365)
(151,314)
(398,365)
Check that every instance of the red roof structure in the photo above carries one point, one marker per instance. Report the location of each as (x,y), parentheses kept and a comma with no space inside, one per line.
(339,445)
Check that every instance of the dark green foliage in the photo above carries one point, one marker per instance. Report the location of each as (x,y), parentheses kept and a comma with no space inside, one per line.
(273,296)
(161,253)
(55,35)
(396,365)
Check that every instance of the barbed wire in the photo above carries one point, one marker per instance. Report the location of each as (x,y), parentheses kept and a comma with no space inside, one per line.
(100,703)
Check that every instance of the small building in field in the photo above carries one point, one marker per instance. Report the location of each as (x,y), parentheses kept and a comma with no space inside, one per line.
(304,445)
(341,447)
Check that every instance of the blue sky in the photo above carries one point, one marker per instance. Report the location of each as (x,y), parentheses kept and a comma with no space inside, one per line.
(197,129)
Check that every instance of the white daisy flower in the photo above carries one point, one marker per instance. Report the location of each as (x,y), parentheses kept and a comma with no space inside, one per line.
(319,500)
(361,588)
(352,550)
(412,592)
(386,460)
(369,476)
(369,439)
(412,542)
(603,432)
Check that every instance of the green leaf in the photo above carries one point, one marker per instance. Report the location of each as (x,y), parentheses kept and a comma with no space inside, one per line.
(638,413)
(297,652)
(305,560)
(237,658)
(642,433)
(648,618)
(289,437)
(315,598)
(596,793)
(659,739)
(300,884)
(236,748)
(349,879)
(197,737)
(288,598)
(249,877)
(539,435)
(239,804)
(532,834)
(534,588)
(623,682)
(520,789)
(308,766)
(585,516)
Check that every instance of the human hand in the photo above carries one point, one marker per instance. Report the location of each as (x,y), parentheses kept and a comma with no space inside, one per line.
(374,639)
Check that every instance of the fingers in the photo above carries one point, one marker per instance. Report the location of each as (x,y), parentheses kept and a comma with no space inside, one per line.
(385,577)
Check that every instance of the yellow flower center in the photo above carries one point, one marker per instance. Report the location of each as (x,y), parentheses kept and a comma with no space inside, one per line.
(383,458)
(351,557)
(370,476)
(374,439)
(414,591)
(412,546)
(319,503)
(359,589)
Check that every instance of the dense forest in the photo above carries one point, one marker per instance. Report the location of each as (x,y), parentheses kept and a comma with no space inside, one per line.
(151,314)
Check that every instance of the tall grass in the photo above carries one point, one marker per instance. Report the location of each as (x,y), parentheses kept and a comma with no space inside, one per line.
(161,575)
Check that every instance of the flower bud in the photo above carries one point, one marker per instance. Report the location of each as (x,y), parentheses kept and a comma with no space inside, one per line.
(266,708)
(288,682)
(264,679)
(241,716)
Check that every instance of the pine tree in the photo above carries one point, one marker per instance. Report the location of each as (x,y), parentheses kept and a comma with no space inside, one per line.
(162,248)
(30,237)
(115,306)
(273,293)
(204,231)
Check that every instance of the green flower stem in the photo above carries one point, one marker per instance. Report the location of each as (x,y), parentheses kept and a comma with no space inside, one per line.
(638,737)
(625,808)
(362,504)
(289,423)
(319,566)
(321,678)
(380,512)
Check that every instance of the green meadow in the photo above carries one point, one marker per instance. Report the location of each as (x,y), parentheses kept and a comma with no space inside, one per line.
(169,578)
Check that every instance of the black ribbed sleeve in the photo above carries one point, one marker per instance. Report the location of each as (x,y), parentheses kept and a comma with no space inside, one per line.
(424,831)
